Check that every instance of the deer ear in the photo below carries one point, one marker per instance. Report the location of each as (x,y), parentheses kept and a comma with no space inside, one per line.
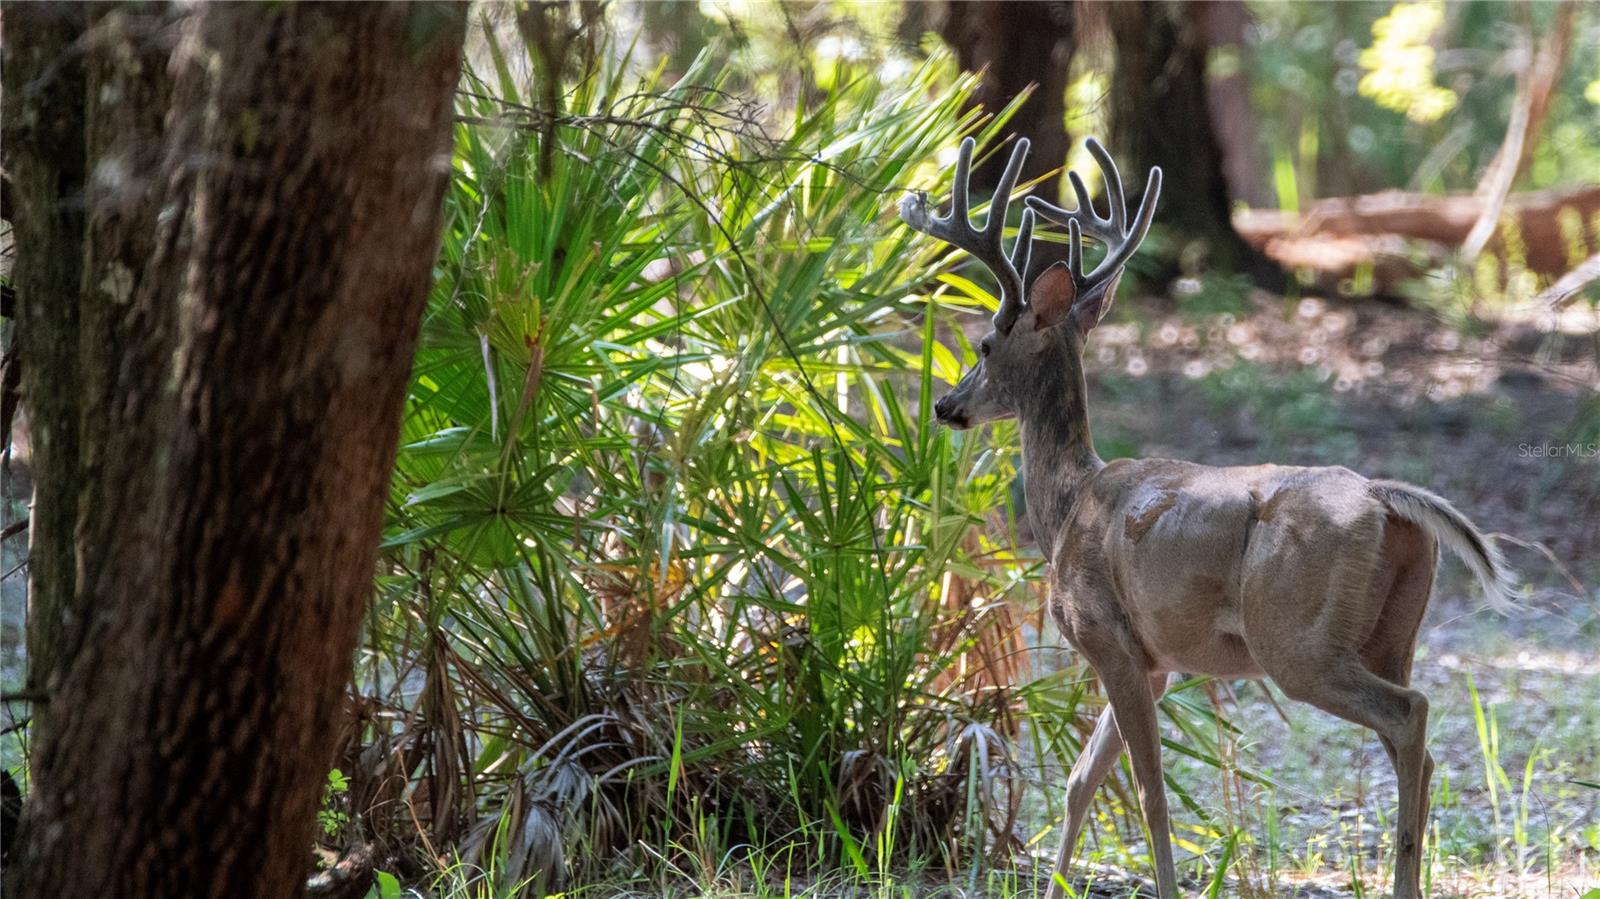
(1096,302)
(1052,296)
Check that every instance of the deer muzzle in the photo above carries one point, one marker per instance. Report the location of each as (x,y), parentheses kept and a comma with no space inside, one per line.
(949,412)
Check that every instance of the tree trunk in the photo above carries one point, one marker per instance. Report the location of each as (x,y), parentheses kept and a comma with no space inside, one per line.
(44,158)
(1159,116)
(252,254)
(1016,44)
(1228,86)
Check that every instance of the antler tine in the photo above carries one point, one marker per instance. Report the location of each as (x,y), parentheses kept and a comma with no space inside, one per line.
(1120,238)
(996,220)
(985,245)
(1114,197)
(961,189)
(1090,221)
(1075,249)
(1120,254)
(1022,250)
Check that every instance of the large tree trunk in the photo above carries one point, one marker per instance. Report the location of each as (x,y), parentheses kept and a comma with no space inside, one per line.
(1159,116)
(1017,44)
(246,266)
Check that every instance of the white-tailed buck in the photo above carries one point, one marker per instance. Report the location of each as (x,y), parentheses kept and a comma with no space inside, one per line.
(1315,577)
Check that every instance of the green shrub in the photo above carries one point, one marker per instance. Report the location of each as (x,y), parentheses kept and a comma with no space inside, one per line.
(675,557)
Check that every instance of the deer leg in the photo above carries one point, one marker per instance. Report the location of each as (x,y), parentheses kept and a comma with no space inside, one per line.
(1390,650)
(1396,669)
(1131,692)
(1399,715)
(1088,773)
(1423,802)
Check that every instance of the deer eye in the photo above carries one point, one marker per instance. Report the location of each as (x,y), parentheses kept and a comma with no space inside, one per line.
(984,349)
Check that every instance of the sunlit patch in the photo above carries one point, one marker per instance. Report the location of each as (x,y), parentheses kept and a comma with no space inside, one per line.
(1399,65)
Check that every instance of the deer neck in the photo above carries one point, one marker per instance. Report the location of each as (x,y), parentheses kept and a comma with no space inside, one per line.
(1057,448)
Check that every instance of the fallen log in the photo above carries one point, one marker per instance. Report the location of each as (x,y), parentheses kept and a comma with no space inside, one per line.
(1442,220)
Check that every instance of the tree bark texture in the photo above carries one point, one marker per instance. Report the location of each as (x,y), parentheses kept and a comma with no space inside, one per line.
(1159,117)
(1017,44)
(44,159)
(249,244)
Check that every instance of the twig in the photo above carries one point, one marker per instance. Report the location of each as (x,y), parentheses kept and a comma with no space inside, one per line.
(13,529)
(1567,286)
(37,697)
(14,569)
(1267,692)
(1545,551)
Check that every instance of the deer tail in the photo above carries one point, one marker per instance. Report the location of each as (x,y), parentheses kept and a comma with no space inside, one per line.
(1457,533)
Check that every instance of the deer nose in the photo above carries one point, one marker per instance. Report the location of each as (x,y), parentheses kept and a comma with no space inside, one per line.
(945,411)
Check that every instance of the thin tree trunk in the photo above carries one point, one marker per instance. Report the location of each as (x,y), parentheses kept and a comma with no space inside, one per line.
(259,232)
(1528,110)
(44,157)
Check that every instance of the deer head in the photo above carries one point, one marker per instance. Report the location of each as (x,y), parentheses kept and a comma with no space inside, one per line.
(1042,332)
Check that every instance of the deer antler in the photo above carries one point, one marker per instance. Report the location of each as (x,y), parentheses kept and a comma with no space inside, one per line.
(1120,239)
(984,245)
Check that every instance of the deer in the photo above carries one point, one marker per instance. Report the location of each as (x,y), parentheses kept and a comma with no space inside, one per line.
(1314,578)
